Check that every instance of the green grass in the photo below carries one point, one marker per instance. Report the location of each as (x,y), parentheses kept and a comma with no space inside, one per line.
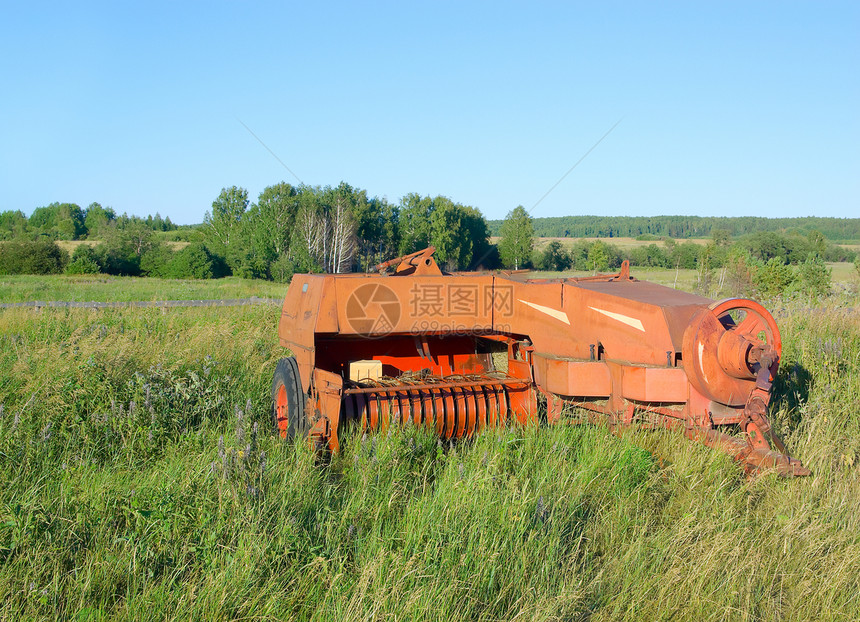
(843,272)
(101,288)
(132,489)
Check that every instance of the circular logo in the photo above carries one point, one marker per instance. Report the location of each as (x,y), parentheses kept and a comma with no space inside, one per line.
(373,309)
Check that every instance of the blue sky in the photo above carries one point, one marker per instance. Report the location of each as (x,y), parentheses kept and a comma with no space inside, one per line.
(726,108)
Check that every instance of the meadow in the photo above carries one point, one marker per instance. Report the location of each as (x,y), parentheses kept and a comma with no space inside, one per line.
(141,481)
(70,246)
(104,288)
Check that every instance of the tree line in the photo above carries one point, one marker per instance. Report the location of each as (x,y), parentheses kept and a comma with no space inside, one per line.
(835,229)
(287,229)
(341,228)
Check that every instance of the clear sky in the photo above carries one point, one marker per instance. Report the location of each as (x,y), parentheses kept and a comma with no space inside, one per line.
(726,108)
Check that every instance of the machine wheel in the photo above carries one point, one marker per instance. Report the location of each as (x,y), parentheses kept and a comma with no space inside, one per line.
(288,400)
(701,346)
(755,322)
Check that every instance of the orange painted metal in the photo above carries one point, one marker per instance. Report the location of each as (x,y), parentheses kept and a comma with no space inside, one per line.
(571,377)
(653,384)
(281,407)
(627,349)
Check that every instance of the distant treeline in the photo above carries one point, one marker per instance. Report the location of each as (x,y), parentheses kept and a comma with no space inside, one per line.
(834,229)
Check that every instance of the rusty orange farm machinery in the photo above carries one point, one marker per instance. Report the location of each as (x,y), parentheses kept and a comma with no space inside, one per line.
(464,351)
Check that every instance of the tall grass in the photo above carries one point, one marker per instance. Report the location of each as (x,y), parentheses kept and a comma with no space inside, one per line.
(103,287)
(135,486)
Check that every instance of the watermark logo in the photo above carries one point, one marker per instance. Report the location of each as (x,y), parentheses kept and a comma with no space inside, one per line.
(464,300)
(456,329)
(373,309)
(458,308)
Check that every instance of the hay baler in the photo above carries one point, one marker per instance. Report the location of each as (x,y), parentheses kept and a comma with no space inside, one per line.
(464,351)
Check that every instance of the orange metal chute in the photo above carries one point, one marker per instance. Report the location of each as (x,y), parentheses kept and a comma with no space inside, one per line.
(466,351)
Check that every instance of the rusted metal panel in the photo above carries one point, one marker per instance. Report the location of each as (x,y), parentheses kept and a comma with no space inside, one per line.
(568,377)
(298,323)
(654,384)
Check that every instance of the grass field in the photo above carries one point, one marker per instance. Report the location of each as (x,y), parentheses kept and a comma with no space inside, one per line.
(70,246)
(622,243)
(135,487)
(102,287)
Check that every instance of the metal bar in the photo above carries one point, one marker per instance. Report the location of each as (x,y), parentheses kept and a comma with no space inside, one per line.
(512,382)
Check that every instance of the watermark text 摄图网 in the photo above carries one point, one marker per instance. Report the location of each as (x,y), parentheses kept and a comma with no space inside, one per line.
(375,309)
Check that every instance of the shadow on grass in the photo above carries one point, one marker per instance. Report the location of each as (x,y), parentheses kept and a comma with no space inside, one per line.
(791,391)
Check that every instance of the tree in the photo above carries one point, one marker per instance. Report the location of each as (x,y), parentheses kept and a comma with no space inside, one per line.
(32,257)
(306,246)
(815,276)
(13,224)
(156,261)
(517,235)
(123,247)
(193,262)
(685,255)
(740,272)
(721,237)
(282,269)
(96,217)
(59,221)
(415,213)
(598,256)
(449,234)
(774,278)
(459,232)
(555,257)
(389,236)
(157,223)
(651,255)
(273,216)
(138,236)
(262,233)
(84,261)
(223,221)
(340,205)
(709,258)
(817,242)
(475,226)
(375,228)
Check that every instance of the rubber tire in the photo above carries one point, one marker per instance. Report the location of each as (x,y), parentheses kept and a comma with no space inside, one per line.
(287,377)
